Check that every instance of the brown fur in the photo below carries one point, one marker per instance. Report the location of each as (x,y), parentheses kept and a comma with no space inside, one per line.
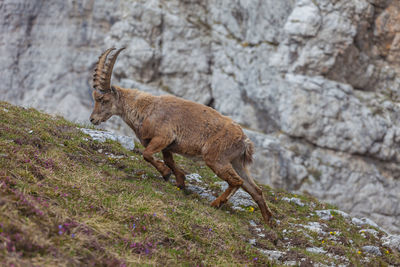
(169,124)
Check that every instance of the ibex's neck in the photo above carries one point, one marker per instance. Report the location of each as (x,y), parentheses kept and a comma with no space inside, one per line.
(135,106)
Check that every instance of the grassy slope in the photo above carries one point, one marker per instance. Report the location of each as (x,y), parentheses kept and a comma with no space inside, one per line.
(68,200)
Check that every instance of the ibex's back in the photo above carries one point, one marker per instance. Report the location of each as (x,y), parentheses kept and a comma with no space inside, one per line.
(170,124)
(192,126)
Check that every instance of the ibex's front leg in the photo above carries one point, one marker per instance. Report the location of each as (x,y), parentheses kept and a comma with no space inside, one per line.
(180,176)
(156,145)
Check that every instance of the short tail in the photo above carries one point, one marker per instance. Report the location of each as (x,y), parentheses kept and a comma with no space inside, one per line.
(249,151)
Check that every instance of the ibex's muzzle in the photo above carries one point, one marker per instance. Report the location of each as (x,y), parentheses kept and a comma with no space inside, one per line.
(94,121)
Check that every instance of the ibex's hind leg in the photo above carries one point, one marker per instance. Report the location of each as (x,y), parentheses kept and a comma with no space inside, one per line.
(255,192)
(259,199)
(227,173)
(179,174)
(156,145)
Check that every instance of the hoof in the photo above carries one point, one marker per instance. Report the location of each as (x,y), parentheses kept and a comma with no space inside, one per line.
(269,220)
(216,204)
(166,177)
(271,223)
(180,186)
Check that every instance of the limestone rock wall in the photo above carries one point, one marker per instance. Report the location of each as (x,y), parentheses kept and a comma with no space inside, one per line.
(315,82)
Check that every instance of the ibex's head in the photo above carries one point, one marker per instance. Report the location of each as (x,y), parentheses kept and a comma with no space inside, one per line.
(105,96)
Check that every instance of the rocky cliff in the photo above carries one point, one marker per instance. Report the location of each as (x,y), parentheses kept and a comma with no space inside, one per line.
(315,82)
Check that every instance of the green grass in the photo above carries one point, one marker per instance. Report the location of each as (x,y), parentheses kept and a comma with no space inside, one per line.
(65,200)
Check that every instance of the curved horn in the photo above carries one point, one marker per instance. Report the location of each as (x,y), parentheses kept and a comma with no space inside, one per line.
(98,76)
(109,68)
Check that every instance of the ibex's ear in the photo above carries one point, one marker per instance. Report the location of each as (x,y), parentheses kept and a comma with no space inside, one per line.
(115,92)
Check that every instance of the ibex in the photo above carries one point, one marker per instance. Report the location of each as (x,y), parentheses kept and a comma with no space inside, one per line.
(170,124)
